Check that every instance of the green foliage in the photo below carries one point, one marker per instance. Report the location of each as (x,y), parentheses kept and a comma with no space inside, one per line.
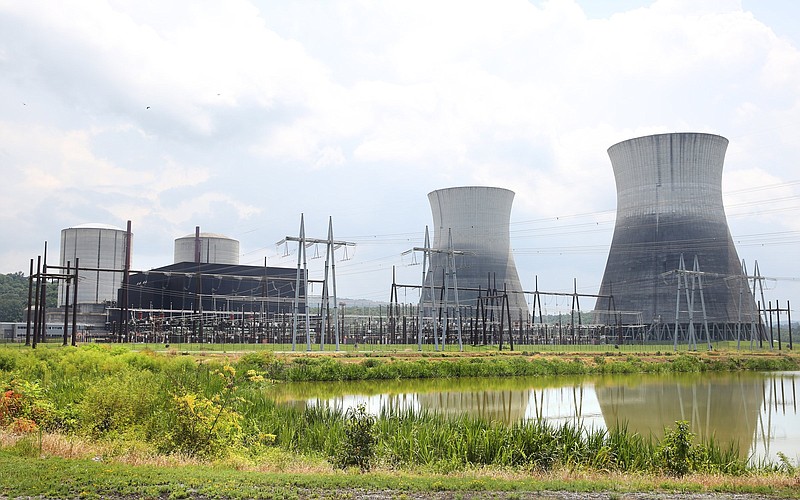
(358,446)
(24,406)
(687,363)
(677,451)
(14,296)
(207,409)
(119,404)
(201,426)
(198,426)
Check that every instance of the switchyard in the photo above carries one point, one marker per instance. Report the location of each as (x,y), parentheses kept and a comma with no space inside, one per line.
(673,277)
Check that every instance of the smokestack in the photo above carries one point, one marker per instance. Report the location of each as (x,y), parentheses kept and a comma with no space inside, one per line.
(197,244)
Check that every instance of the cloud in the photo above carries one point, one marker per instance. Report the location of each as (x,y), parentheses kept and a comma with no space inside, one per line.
(239,114)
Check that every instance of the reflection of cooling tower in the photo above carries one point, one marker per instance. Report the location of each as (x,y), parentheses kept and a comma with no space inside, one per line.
(726,409)
(669,202)
(478,219)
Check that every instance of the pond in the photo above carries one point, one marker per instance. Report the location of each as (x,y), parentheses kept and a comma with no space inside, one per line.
(758,411)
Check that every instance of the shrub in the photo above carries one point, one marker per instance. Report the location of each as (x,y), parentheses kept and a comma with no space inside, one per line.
(200,427)
(204,427)
(677,450)
(25,400)
(119,404)
(358,447)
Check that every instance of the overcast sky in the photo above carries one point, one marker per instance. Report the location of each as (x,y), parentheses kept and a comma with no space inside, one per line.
(238,116)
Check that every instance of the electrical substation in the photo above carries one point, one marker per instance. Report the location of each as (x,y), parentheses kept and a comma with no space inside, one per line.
(673,277)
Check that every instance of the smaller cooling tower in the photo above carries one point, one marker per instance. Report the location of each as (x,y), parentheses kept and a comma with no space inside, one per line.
(213,249)
(477,218)
(98,246)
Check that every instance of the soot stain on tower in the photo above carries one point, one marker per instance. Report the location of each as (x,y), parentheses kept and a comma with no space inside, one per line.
(669,203)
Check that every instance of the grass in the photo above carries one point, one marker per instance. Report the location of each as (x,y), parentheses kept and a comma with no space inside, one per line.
(412,348)
(83,478)
(130,409)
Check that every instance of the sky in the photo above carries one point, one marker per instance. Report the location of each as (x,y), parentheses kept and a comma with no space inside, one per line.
(239,116)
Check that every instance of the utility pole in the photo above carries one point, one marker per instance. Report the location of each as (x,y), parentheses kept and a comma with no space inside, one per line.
(449,271)
(331,246)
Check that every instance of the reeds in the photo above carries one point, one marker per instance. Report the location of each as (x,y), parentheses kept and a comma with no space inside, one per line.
(103,394)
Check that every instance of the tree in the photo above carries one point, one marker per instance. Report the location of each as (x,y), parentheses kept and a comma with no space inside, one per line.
(14,296)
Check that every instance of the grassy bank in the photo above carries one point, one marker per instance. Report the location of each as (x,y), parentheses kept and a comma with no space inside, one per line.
(84,478)
(118,405)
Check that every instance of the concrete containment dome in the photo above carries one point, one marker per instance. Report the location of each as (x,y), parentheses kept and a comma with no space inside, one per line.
(98,246)
(214,249)
(478,218)
(669,202)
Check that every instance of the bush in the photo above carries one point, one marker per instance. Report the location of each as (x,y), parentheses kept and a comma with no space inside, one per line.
(358,447)
(677,450)
(200,427)
(119,404)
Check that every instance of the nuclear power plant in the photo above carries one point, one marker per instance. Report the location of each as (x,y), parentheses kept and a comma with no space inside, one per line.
(471,227)
(672,274)
(669,210)
(98,246)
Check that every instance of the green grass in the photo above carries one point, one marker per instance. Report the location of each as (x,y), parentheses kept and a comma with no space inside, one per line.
(451,347)
(60,478)
(215,408)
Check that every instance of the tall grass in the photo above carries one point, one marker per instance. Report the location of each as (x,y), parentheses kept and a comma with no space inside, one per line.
(176,404)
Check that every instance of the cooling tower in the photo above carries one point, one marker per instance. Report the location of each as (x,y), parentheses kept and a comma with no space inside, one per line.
(98,246)
(669,202)
(478,219)
(214,249)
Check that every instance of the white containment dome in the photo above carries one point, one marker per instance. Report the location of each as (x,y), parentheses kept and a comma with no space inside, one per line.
(100,249)
(209,248)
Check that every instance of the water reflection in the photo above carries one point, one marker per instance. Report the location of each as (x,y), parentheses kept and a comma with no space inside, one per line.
(725,407)
(757,411)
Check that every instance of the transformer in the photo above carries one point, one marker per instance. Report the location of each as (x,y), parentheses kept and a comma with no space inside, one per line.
(669,204)
(476,219)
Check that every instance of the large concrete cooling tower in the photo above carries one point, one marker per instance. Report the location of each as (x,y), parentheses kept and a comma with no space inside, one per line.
(478,219)
(669,202)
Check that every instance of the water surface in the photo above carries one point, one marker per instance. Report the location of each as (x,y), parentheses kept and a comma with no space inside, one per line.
(757,411)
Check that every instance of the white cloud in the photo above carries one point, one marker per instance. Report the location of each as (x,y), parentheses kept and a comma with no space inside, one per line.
(263,110)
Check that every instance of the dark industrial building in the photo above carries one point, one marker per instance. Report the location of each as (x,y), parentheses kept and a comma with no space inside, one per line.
(212,302)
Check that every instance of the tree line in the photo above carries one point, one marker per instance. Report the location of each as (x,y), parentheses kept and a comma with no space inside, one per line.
(14,296)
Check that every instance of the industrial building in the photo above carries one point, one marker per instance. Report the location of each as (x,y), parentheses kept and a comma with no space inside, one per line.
(191,301)
(471,227)
(669,208)
(100,251)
